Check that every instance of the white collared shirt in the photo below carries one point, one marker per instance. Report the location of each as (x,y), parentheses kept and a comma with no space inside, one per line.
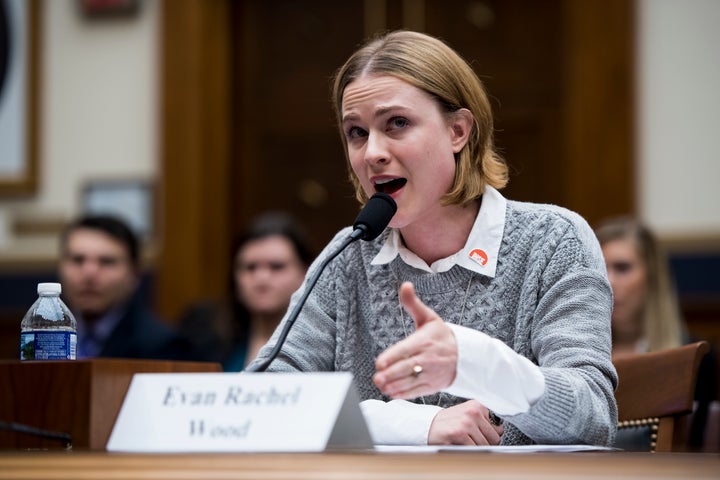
(487,370)
(480,253)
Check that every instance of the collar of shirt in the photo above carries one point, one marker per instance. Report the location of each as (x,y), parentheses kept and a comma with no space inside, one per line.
(480,253)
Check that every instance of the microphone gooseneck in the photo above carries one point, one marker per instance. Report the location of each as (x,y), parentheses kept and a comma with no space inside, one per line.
(370,222)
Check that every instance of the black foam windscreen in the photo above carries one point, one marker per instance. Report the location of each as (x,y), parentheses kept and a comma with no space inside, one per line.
(375,215)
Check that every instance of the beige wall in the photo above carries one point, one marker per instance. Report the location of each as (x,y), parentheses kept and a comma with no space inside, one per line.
(679,116)
(98,117)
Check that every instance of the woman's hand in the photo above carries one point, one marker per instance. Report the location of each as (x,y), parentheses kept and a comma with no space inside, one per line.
(423,363)
(464,424)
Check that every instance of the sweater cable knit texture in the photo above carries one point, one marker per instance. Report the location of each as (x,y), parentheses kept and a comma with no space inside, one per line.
(550,301)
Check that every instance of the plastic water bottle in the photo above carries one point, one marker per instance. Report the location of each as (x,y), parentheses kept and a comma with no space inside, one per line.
(49,330)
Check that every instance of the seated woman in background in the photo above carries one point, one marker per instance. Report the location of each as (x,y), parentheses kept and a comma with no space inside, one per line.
(646,316)
(269,264)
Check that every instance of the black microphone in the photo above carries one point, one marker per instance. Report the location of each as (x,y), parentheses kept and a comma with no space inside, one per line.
(374,217)
(370,222)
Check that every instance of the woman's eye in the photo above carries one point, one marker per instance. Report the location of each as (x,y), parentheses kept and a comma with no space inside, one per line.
(277,266)
(623,267)
(398,122)
(355,132)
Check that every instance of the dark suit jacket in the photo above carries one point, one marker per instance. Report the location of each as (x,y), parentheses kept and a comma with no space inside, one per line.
(140,334)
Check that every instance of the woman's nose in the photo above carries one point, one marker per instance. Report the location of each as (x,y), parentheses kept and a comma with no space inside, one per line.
(376,150)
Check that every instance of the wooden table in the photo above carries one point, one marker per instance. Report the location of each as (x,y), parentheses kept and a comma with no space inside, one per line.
(79,465)
(78,397)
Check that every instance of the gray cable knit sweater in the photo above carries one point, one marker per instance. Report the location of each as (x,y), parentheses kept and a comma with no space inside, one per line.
(550,301)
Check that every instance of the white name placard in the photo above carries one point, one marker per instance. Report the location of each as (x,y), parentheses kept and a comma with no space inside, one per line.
(240,412)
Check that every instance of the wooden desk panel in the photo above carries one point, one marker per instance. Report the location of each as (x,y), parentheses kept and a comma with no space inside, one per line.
(357,466)
(79,397)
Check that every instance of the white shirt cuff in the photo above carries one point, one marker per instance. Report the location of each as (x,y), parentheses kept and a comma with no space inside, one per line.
(494,374)
(398,422)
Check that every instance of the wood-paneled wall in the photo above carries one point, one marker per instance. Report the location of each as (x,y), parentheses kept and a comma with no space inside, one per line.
(195,216)
(248,123)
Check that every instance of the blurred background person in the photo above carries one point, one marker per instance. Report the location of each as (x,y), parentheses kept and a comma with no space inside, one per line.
(269,264)
(646,315)
(100,275)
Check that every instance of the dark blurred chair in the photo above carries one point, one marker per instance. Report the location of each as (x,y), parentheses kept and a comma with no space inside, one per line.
(712,428)
(710,441)
(655,396)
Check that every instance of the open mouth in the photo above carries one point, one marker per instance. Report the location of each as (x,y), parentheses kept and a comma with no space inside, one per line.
(390,186)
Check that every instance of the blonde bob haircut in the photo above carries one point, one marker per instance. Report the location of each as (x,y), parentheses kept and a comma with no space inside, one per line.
(430,65)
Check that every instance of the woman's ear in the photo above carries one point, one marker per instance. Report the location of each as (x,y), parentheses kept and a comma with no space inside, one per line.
(461,123)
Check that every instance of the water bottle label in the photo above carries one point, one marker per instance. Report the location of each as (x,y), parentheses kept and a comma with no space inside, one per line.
(48,345)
